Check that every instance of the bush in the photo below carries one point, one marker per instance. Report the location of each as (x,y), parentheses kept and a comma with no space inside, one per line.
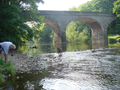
(5,69)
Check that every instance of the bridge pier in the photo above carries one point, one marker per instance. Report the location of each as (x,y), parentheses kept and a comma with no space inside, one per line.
(57,41)
(60,40)
(99,39)
(63,38)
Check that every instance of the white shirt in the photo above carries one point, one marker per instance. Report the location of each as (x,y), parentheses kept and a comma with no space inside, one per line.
(5,46)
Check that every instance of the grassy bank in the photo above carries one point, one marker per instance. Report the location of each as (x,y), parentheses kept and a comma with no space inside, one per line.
(5,70)
(113,38)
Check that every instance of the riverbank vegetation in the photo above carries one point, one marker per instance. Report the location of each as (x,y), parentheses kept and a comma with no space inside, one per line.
(14,14)
(5,70)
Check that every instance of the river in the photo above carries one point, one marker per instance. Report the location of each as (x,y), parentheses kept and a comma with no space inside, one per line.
(78,68)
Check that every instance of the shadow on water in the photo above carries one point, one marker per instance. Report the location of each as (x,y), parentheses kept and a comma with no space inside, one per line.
(25,81)
(77,69)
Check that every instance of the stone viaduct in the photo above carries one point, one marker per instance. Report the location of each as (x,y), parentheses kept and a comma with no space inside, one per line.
(98,22)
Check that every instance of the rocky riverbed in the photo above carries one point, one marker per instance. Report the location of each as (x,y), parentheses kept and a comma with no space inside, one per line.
(36,62)
(31,62)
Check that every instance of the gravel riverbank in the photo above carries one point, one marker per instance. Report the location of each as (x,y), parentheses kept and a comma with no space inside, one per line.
(27,62)
(30,62)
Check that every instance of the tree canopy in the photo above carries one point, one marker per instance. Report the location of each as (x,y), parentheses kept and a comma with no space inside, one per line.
(47,35)
(13,17)
(97,6)
(116,10)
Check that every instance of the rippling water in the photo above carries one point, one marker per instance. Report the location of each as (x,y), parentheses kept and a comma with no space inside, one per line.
(84,70)
(97,69)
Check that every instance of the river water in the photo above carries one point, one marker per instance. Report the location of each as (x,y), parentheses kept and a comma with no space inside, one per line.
(78,68)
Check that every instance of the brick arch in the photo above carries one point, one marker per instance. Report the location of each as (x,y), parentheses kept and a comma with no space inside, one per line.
(53,25)
(95,26)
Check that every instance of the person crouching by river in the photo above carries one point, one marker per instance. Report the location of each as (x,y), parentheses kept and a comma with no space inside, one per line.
(4,48)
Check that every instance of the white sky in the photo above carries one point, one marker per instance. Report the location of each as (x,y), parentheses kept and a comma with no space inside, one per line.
(60,5)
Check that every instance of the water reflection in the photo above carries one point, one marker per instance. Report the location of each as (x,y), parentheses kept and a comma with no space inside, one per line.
(41,48)
(50,48)
(78,46)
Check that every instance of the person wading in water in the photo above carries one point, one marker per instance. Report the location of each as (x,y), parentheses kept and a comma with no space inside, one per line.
(4,48)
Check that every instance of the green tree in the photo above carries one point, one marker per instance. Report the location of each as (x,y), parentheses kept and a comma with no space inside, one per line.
(116,10)
(87,34)
(71,32)
(111,28)
(38,32)
(48,34)
(73,9)
(103,5)
(97,6)
(52,36)
(13,17)
(87,7)
(76,30)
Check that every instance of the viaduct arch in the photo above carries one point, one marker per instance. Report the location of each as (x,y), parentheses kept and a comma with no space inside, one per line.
(98,22)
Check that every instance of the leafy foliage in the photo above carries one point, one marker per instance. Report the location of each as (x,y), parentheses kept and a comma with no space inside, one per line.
(38,32)
(78,32)
(13,16)
(88,7)
(103,5)
(73,9)
(111,28)
(97,6)
(5,69)
(48,34)
(116,10)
